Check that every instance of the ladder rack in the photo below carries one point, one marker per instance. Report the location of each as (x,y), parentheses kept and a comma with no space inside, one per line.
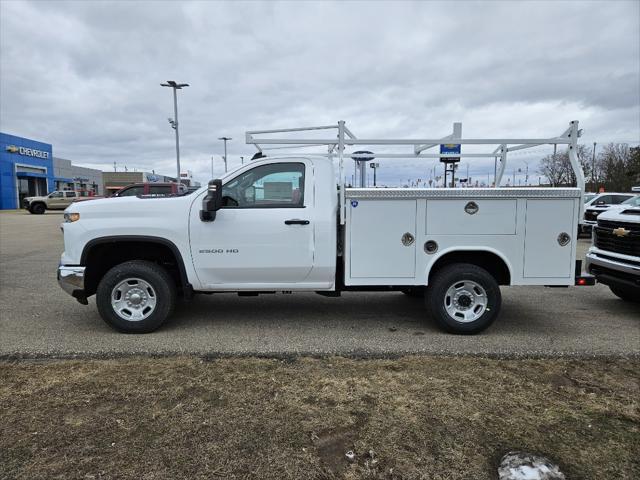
(344,138)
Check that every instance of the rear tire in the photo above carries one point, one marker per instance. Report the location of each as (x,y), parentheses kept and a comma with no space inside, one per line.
(463,298)
(37,209)
(136,297)
(627,294)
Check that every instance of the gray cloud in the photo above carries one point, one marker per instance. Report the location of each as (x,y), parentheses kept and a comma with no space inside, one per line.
(85,76)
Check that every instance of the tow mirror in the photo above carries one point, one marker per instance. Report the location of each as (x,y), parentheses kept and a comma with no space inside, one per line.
(212,202)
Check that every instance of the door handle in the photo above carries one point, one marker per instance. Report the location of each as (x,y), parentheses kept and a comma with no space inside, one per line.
(295,221)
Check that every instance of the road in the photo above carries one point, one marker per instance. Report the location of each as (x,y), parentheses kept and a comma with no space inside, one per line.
(38,319)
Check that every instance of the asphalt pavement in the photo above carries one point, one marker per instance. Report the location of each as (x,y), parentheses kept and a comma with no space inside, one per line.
(38,319)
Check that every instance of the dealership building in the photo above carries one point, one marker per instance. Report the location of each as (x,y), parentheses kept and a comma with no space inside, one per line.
(28,168)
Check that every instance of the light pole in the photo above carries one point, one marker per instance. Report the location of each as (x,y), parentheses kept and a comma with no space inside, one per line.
(225,151)
(375,169)
(174,122)
(593,168)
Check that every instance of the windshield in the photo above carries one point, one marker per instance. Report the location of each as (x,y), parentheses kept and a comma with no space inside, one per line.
(633,201)
(588,197)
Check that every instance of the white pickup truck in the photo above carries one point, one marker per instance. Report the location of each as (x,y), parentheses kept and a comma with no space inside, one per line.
(289,224)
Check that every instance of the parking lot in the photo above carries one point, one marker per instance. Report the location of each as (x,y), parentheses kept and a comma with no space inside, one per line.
(38,319)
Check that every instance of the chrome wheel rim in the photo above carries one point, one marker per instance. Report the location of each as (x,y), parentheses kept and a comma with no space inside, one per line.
(465,301)
(133,299)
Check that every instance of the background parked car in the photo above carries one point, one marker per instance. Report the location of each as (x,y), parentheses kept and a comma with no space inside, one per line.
(614,257)
(598,204)
(58,200)
(149,189)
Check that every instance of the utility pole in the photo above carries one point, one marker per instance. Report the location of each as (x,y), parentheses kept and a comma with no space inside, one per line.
(593,168)
(174,122)
(225,151)
(375,169)
(114,167)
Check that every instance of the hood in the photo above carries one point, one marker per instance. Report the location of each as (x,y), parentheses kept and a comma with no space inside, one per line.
(122,206)
(627,214)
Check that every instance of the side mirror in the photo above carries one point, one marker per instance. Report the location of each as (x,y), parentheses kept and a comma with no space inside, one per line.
(212,202)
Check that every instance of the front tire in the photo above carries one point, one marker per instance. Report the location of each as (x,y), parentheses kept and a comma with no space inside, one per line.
(136,296)
(463,298)
(627,294)
(37,209)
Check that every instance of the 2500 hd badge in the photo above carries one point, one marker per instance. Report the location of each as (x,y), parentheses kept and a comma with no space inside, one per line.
(219,250)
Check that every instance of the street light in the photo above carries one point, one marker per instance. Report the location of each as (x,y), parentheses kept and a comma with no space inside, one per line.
(225,151)
(174,122)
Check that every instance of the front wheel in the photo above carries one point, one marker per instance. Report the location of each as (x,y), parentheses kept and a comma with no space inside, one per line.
(463,298)
(37,209)
(136,296)
(627,294)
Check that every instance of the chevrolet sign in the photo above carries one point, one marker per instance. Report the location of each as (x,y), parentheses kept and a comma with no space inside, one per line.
(29,152)
(621,232)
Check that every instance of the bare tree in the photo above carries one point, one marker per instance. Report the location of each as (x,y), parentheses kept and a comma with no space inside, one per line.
(557,167)
(619,167)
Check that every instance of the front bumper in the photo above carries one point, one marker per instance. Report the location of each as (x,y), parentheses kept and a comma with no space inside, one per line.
(71,279)
(609,268)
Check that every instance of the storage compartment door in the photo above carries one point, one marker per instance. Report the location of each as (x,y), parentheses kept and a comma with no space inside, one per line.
(490,217)
(376,247)
(543,254)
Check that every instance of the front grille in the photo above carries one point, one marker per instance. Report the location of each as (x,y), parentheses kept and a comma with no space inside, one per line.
(628,244)
(591,215)
(634,227)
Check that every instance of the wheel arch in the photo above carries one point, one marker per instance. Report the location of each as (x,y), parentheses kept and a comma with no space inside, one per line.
(488,258)
(102,253)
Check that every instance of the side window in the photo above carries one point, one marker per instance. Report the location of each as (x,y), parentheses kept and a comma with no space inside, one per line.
(604,200)
(278,185)
(69,194)
(621,198)
(159,190)
(55,195)
(131,192)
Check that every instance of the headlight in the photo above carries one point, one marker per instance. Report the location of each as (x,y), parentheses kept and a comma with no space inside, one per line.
(71,217)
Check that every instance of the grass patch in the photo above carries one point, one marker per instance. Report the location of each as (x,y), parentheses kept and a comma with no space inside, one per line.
(414,417)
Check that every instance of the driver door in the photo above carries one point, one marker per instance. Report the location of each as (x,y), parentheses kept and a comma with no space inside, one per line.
(56,201)
(264,233)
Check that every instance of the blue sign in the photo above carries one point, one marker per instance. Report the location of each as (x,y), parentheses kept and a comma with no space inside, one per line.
(450,148)
(354,203)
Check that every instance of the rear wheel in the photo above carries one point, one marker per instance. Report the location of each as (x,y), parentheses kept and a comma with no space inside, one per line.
(463,298)
(37,208)
(627,294)
(136,296)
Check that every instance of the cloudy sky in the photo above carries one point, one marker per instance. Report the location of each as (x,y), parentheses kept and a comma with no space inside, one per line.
(85,76)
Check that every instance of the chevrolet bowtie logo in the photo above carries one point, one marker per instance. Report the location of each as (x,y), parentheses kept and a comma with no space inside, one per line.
(621,232)
(12,149)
